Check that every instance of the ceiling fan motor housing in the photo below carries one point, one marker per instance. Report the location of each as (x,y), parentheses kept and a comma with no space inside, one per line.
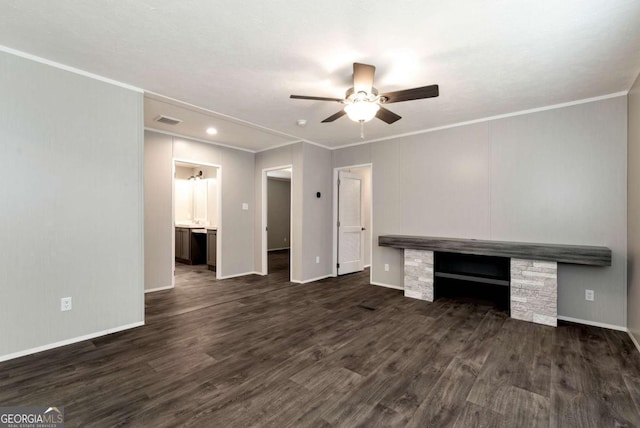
(352,95)
(363,103)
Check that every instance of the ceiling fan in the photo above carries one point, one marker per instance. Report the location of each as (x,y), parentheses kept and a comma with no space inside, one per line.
(363,102)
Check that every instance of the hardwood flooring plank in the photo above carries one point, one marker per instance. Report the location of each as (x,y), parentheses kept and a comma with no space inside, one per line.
(633,385)
(446,400)
(584,392)
(476,416)
(260,351)
(521,357)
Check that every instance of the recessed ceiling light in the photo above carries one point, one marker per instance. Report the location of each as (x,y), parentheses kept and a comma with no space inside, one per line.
(212,131)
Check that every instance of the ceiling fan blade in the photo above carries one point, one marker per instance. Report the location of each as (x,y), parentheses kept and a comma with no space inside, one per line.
(411,94)
(333,117)
(304,97)
(387,115)
(363,77)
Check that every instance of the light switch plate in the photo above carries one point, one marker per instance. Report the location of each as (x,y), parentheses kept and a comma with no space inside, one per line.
(65,304)
(245,206)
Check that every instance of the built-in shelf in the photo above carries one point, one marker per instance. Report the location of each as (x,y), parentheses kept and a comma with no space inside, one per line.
(472,278)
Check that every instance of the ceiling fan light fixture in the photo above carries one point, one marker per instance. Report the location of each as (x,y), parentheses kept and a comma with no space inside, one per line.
(361,111)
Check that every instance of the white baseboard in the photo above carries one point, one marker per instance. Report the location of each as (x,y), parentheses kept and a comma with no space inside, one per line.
(382,284)
(633,339)
(235,275)
(367,266)
(278,249)
(306,281)
(69,341)
(593,323)
(152,290)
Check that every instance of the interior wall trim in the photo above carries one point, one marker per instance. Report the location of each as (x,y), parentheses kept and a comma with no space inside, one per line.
(153,290)
(318,278)
(489,118)
(41,60)
(277,146)
(382,284)
(199,140)
(593,323)
(69,341)
(236,275)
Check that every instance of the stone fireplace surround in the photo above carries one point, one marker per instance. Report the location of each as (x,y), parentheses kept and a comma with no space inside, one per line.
(533,269)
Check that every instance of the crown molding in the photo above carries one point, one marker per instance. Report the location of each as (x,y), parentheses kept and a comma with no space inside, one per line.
(199,140)
(74,70)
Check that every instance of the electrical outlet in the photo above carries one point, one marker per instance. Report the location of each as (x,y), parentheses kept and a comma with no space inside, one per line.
(386,267)
(589,295)
(65,304)
(317,259)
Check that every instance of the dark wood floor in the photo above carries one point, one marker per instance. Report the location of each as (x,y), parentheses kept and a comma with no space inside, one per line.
(259,351)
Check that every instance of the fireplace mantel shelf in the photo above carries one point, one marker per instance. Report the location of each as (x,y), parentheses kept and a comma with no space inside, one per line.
(574,254)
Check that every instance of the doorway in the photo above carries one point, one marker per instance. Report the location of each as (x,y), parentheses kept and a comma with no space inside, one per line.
(352,230)
(277,204)
(196,218)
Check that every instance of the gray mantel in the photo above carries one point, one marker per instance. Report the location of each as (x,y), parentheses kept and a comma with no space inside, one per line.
(575,254)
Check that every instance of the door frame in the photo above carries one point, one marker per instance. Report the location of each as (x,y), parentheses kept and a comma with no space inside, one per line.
(265,234)
(336,172)
(173,214)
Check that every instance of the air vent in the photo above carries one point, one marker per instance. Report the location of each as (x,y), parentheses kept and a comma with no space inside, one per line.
(167,120)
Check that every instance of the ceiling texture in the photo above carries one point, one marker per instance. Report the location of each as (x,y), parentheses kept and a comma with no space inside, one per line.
(233,64)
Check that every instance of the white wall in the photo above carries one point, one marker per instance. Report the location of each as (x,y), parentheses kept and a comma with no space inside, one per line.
(365,175)
(633,214)
(235,181)
(183,195)
(557,176)
(71,172)
(212,201)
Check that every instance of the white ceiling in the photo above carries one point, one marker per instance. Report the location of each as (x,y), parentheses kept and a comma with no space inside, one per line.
(244,58)
(195,122)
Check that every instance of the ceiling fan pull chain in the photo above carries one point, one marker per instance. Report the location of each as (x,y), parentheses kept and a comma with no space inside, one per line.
(362,129)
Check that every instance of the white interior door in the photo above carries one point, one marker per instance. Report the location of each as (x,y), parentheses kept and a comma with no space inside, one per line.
(350,236)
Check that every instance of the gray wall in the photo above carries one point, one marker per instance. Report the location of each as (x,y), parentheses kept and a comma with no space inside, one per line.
(633,213)
(236,178)
(311,216)
(557,176)
(317,213)
(287,155)
(279,213)
(71,172)
(158,167)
